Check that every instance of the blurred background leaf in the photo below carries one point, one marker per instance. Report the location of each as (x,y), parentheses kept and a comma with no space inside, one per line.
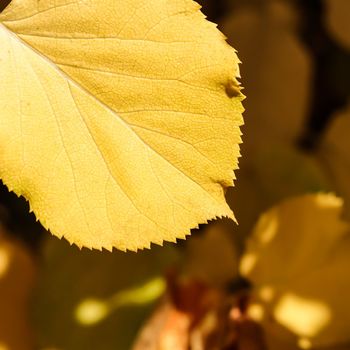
(17,278)
(297,260)
(92,300)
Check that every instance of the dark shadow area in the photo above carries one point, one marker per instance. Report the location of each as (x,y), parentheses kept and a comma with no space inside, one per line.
(15,216)
(331,72)
(4,4)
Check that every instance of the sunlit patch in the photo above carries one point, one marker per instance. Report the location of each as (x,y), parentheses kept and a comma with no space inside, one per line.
(329,200)
(235,314)
(302,316)
(4,347)
(140,295)
(269,231)
(304,343)
(266,294)
(248,262)
(256,312)
(4,262)
(92,311)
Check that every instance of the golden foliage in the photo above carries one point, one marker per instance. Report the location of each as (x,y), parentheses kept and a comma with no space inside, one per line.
(296,259)
(119,119)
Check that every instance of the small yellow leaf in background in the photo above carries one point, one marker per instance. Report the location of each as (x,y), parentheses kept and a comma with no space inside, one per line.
(298,260)
(119,119)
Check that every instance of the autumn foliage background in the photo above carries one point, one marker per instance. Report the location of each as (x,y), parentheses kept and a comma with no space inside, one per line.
(199,293)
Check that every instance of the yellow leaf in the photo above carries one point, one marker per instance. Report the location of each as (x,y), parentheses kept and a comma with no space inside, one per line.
(119,119)
(298,259)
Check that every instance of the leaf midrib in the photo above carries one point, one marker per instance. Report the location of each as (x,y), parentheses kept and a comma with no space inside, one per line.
(97,100)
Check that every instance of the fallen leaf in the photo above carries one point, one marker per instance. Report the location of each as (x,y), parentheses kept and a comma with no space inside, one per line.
(119,119)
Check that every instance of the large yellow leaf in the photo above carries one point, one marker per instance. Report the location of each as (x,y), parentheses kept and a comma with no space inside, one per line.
(298,259)
(119,118)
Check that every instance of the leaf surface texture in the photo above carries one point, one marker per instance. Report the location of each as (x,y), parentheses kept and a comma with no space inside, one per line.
(119,119)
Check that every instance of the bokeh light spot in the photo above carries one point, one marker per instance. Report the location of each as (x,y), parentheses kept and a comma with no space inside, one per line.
(303,316)
(4,263)
(91,311)
(248,262)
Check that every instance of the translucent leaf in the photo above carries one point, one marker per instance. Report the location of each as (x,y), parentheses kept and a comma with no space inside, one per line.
(298,259)
(119,119)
